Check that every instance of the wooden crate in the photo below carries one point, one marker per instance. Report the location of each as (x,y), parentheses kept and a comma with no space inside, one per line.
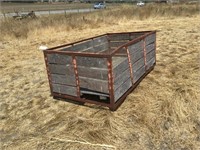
(102,70)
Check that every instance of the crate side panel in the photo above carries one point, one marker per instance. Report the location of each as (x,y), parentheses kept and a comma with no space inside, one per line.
(63,89)
(83,45)
(99,48)
(136,47)
(138,64)
(138,74)
(63,79)
(136,56)
(94,84)
(150,38)
(121,78)
(59,59)
(120,64)
(100,40)
(150,55)
(91,62)
(91,72)
(119,37)
(115,44)
(151,63)
(122,89)
(136,35)
(150,47)
(61,69)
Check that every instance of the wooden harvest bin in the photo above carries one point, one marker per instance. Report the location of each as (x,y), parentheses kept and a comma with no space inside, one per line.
(102,70)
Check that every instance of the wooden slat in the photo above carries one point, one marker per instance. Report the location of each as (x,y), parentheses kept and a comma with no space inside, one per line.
(136,56)
(100,40)
(61,69)
(121,79)
(138,64)
(150,39)
(63,79)
(91,62)
(91,72)
(119,37)
(63,89)
(116,60)
(150,55)
(150,47)
(122,89)
(121,51)
(117,43)
(59,59)
(94,84)
(136,35)
(150,63)
(83,45)
(138,73)
(119,65)
(136,47)
(86,91)
(98,48)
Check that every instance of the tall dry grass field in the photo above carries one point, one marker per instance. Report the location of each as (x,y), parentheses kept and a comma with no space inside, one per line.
(163,112)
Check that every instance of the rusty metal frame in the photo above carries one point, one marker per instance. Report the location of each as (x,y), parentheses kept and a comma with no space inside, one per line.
(112,104)
(110,83)
(130,65)
(145,53)
(76,75)
(48,74)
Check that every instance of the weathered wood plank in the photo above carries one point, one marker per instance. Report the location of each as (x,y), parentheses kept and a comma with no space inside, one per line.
(63,79)
(136,35)
(91,72)
(63,89)
(86,91)
(137,55)
(100,40)
(150,39)
(122,89)
(138,73)
(59,59)
(91,62)
(119,37)
(150,55)
(121,79)
(94,84)
(138,64)
(114,44)
(116,60)
(121,51)
(119,65)
(83,45)
(150,47)
(150,63)
(136,47)
(61,69)
(98,48)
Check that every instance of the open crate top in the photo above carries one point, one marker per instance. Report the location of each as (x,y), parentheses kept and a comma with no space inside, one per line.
(105,45)
(101,69)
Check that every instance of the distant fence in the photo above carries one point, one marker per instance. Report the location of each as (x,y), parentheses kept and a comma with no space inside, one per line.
(49,12)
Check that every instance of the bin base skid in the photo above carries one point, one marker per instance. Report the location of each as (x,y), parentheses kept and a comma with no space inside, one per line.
(115,106)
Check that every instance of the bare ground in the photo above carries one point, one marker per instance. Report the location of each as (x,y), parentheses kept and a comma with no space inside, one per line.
(163,112)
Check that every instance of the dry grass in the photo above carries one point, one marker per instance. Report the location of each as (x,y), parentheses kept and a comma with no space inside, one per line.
(163,112)
(22,28)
